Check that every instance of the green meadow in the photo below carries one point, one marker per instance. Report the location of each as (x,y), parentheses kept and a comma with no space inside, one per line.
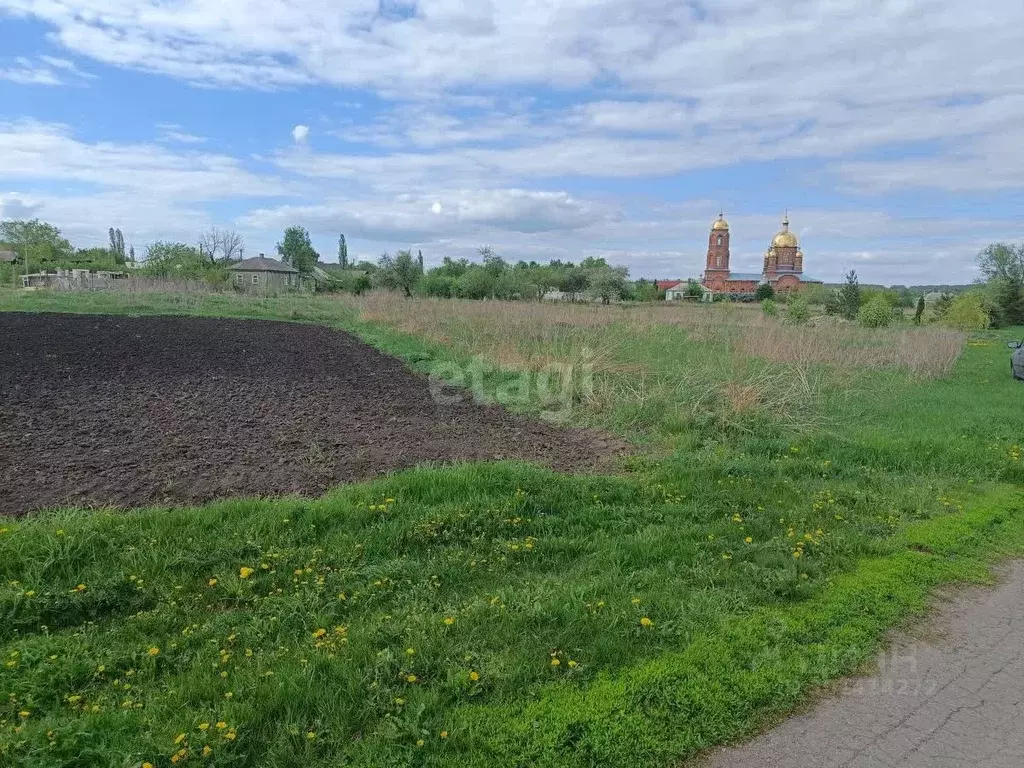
(793,495)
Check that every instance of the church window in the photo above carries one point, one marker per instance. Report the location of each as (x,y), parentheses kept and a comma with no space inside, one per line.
(718,261)
(719,239)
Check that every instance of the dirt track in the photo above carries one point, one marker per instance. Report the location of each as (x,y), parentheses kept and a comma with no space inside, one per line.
(120,411)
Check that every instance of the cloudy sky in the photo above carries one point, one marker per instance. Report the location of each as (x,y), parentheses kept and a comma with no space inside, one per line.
(893,130)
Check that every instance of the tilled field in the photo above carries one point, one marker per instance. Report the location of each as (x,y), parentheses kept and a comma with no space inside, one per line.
(130,411)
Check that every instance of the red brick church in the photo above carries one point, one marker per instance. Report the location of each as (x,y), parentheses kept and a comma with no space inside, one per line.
(783,263)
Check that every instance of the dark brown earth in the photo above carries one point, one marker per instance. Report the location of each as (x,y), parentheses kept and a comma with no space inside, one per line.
(131,411)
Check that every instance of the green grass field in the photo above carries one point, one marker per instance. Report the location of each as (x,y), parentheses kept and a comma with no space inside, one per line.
(501,615)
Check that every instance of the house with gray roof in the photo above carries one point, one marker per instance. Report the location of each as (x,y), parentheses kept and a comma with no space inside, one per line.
(264,276)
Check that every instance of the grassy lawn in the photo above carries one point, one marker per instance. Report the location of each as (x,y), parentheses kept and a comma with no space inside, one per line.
(781,515)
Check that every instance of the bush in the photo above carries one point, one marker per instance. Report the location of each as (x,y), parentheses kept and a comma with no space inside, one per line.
(764,293)
(967,313)
(799,311)
(769,307)
(876,313)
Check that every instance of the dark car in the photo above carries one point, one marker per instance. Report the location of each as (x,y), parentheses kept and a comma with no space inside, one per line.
(1017,360)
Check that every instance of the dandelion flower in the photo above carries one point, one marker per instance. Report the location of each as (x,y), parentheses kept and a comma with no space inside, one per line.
(410,651)
(646,622)
(153,651)
(221,725)
(311,735)
(419,742)
(207,751)
(319,633)
(572,664)
(204,726)
(449,620)
(635,601)
(555,663)
(474,675)
(212,583)
(245,572)
(748,540)
(179,738)
(444,734)
(410,678)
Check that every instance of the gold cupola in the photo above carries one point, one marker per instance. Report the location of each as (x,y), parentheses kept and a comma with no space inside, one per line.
(785,238)
(720,223)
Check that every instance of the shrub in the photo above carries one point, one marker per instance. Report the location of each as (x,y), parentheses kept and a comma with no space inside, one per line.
(877,313)
(967,313)
(799,311)
(764,293)
(769,307)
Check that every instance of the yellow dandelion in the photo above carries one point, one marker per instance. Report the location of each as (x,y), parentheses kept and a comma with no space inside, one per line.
(410,678)
(207,751)
(410,651)
(212,583)
(319,633)
(153,651)
(748,540)
(311,735)
(556,663)
(245,572)
(646,622)
(179,738)
(573,664)
(230,735)
(449,620)
(419,742)
(221,725)
(444,734)
(204,726)
(474,675)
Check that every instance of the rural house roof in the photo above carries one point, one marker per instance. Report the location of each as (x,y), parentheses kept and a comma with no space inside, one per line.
(8,257)
(262,264)
(755,276)
(664,285)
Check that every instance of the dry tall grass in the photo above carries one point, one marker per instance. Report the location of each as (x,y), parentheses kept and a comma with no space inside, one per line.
(531,335)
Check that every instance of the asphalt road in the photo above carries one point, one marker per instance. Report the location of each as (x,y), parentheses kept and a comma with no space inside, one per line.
(950,694)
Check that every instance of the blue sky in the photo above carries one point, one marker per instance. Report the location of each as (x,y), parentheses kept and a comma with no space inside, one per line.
(891,129)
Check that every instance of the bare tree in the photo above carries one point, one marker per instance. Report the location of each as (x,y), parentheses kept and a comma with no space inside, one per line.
(222,245)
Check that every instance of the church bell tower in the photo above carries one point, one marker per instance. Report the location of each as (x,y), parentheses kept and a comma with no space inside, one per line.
(718,250)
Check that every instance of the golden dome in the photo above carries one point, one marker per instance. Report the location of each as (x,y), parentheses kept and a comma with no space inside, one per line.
(785,238)
(721,223)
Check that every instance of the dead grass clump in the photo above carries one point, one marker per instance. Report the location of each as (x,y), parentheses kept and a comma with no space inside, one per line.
(926,352)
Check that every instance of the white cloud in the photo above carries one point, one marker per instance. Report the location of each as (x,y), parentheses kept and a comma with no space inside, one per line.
(300,133)
(36,151)
(45,70)
(172,132)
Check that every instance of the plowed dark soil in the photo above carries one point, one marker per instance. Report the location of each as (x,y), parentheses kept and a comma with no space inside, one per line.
(126,412)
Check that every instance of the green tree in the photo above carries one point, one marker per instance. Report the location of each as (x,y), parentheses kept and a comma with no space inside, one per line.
(798,311)
(178,260)
(764,292)
(849,297)
(117,246)
(575,280)
(297,250)
(475,283)
(919,312)
(942,305)
(694,289)
(39,245)
(967,313)
(1002,265)
(769,307)
(876,313)
(607,283)
(342,251)
(400,272)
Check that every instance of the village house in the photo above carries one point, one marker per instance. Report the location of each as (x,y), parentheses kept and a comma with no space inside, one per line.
(264,276)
